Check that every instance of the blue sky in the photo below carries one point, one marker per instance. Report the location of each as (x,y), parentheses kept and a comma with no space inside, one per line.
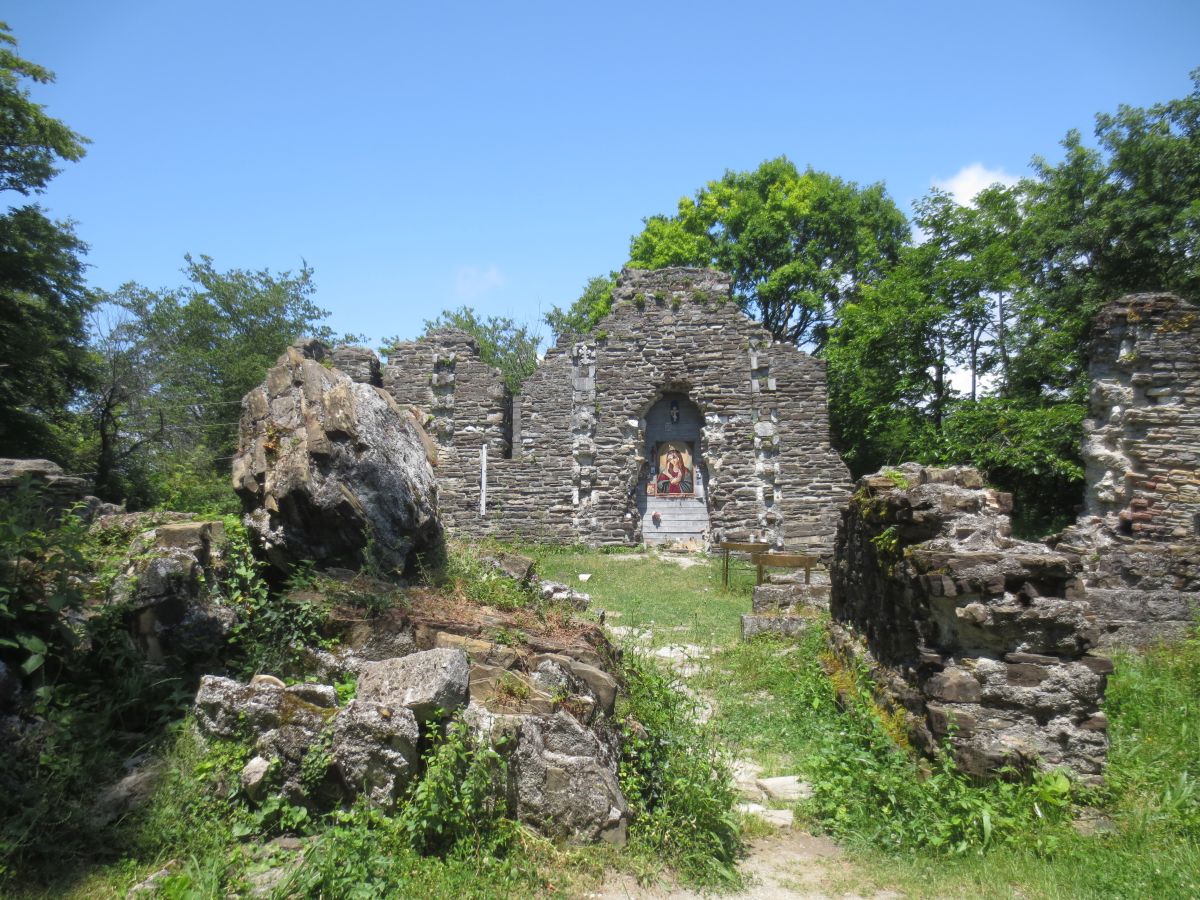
(420,157)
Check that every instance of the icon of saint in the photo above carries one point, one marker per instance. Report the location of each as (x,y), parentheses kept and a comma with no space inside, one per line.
(675,477)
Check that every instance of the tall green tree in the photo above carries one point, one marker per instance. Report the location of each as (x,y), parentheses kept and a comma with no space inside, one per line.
(798,244)
(176,365)
(883,359)
(969,262)
(1006,289)
(1121,216)
(43,298)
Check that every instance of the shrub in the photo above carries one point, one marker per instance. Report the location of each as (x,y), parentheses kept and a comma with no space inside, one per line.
(272,632)
(675,779)
(451,830)
(40,563)
(468,576)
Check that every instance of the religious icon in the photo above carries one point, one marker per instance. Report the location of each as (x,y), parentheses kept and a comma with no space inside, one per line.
(675,476)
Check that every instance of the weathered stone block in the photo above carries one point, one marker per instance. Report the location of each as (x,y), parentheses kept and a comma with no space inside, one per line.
(754,625)
(430,683)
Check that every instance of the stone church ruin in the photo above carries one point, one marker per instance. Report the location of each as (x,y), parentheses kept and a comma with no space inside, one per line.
(678,420)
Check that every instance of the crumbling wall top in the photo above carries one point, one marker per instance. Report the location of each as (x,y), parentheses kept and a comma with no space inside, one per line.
(983,639)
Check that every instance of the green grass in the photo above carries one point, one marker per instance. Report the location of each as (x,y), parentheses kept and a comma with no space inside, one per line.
(677,605)
(920,829)
(916,828)
(774,704)
(675,776)
(767,694)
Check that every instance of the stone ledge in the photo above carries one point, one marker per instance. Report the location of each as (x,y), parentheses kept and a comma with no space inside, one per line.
(791,626)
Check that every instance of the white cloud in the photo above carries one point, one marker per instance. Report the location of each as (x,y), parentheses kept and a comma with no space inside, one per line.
(968,181)
(472,282)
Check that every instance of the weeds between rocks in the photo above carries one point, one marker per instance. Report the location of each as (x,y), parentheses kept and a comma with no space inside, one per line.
(199,834)
(932,831)
(923,829)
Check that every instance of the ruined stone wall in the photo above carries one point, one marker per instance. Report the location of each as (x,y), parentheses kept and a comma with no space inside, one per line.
(772,473)
(578,447)
(980,638)
(1142,443)
(466,405)
(1138,541)
(360,363)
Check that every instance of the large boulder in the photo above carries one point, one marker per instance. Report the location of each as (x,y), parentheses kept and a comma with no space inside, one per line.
(332,470)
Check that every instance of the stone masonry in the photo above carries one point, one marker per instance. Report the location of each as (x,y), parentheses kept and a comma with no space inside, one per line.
(979,639)
(1138,540)
(565,459)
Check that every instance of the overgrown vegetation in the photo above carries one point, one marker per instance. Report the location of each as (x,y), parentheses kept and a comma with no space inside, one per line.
(91,699)
(912,820)
(676,779)
(38,588)
(450,836)
(470,577)
(272,630)
(923,828)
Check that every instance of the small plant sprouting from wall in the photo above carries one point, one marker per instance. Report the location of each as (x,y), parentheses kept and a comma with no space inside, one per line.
(887,545)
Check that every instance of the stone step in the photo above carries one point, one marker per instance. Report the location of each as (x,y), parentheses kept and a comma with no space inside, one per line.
(786,597)
(782,819)
(790,626)
(788,788)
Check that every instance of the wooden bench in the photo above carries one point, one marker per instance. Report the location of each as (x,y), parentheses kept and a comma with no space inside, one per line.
(803,561)
(751,547)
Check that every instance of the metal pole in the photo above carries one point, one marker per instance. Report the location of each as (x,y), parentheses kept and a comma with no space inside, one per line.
(483,480)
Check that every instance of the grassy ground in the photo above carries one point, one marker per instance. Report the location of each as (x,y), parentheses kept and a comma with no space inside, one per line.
(678,603)
(919,830)
(911,827)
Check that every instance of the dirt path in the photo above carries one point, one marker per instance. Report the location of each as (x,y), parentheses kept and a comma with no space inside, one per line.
(793,865)
(787,864)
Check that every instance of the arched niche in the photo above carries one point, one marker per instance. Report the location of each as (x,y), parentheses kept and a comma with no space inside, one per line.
(671,489)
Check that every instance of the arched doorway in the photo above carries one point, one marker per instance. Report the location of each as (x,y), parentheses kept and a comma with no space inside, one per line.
(671,491)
